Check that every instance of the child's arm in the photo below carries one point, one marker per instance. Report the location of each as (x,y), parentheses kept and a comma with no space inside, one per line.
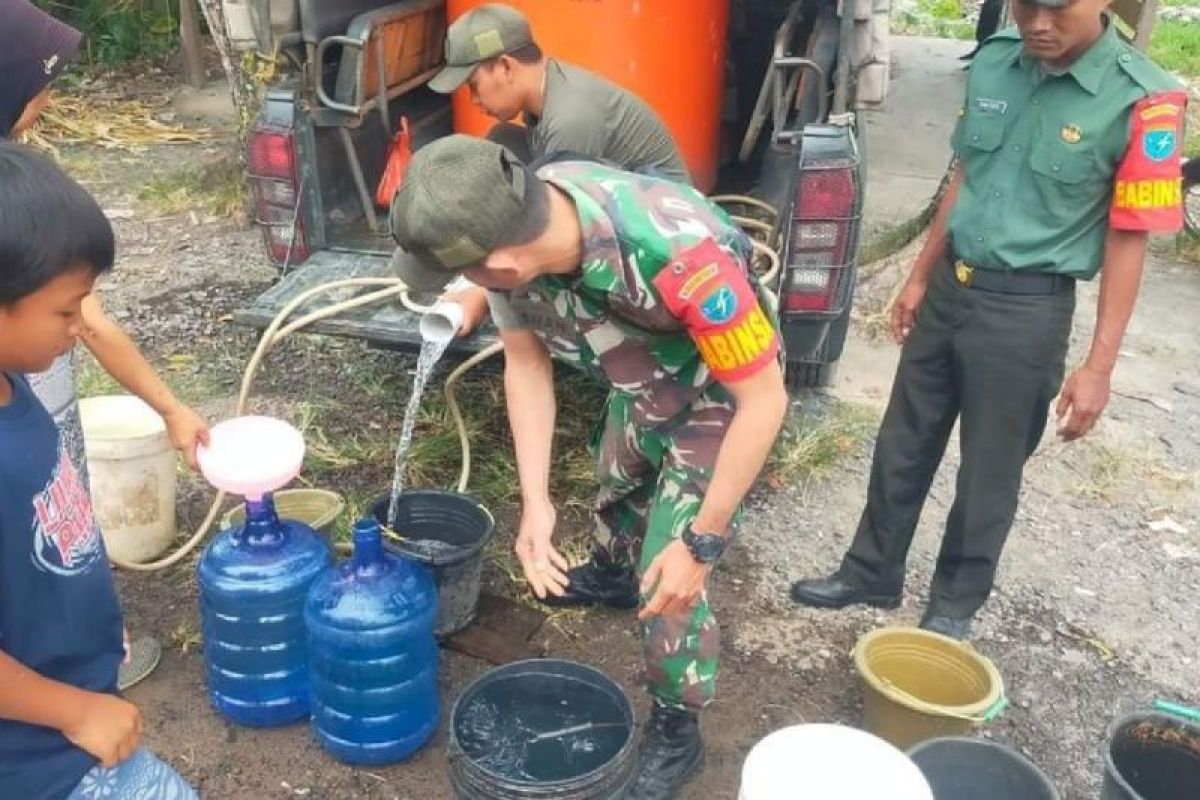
(102,724)
(120,357)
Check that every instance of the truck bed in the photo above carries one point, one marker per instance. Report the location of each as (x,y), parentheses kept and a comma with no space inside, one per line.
(388,325)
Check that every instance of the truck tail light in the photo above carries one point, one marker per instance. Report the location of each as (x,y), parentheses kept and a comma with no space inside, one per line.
(271,158)
(824,227)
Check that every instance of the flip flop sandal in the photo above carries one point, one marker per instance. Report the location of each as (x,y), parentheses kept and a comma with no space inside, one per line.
(144,654)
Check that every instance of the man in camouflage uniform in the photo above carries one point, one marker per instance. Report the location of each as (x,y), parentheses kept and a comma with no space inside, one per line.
(644,284)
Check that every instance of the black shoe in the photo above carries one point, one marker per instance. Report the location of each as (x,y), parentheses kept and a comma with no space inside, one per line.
(671,754)
(837,592)
(954,627)
(599,582)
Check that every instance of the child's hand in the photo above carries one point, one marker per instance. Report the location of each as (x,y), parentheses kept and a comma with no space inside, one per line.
(107,727)
(186,429)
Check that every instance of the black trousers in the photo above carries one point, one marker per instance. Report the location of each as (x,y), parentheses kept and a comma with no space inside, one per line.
(993,361)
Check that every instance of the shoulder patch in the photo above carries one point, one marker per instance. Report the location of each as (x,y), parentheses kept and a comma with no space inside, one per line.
(1146,192)
(708,290)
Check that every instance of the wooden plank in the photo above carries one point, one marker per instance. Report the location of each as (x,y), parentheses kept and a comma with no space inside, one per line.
(501,633)
(1145,27)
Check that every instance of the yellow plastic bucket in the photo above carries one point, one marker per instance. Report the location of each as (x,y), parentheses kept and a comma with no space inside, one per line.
(918,685)
(317,508)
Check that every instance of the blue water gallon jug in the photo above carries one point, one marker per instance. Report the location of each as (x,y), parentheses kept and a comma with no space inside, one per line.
(253,581)
(372,654)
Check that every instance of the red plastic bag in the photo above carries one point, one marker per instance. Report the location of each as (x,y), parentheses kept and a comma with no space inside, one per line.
(398,155)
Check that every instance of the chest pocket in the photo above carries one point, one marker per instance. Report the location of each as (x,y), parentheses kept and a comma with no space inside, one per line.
(1062,163)
(983,131)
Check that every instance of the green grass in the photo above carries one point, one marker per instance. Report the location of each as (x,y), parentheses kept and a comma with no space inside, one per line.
(217,189)
(941,18)
(90,378)
(813,442)
(1175,45)
(351,423)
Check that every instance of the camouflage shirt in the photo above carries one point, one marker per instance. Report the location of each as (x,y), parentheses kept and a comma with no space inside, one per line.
(662,304)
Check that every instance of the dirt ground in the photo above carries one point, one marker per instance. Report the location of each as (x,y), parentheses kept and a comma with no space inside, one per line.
(1094,615)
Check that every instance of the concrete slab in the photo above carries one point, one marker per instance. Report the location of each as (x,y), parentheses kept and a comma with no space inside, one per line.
(210,105)
(908,138)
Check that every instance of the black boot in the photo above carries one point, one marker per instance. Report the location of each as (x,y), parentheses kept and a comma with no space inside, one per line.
(601,581)
(671,754)
(838,592)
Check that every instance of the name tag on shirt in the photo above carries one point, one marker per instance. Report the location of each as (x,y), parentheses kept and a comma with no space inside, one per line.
(990,106)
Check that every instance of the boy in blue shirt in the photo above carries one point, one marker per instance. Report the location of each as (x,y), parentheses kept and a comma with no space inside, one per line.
(64,733)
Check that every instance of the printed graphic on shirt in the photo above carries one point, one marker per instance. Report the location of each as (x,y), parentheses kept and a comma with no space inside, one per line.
(709,292)
(66,537)
(1147,195)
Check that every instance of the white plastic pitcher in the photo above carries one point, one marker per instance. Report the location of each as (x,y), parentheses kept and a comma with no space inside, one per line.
(818,762)
(132,468)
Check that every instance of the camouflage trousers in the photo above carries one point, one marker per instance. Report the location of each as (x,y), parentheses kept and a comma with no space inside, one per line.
(652,482)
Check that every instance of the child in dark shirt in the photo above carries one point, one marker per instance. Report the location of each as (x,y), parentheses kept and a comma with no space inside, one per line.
(64,733)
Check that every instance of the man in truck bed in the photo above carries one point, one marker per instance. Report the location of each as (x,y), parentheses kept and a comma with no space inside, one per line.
(564,108)
(644,284)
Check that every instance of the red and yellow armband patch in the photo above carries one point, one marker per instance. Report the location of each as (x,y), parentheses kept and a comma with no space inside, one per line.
(708,291)
(1147,195)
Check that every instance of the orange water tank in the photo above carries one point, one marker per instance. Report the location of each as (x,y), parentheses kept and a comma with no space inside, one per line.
(671,53)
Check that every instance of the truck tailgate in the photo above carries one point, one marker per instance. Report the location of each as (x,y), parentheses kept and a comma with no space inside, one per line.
(388,325)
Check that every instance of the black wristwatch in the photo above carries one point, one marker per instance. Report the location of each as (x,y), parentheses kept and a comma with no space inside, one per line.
(704,547)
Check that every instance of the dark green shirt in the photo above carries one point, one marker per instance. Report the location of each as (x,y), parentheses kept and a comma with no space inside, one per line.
(585,114)
(1039,153)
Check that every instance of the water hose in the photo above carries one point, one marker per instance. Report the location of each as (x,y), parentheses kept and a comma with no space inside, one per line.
(385,289)
(272,335)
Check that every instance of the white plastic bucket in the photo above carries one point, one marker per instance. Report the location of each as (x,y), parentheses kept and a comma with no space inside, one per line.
(132,468)
(817,762)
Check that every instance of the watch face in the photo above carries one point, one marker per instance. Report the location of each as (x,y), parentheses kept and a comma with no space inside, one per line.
(707,547)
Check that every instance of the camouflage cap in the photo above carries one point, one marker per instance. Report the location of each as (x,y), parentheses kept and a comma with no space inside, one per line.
(462,198)
(491,30)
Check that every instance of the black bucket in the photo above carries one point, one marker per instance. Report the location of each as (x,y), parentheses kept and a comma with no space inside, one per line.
(959,768)
(544,729)
(447,532)
(1152,757)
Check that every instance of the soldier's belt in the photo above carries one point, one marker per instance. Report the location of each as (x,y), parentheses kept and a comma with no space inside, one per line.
(990,280)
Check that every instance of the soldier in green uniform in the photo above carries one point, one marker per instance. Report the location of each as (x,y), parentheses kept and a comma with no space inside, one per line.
(1068,157)
(645,284)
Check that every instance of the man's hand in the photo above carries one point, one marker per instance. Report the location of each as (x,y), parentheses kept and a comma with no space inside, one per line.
(107,727)
(186,429)
(544,567)
(904,310)
(474,305)
(678,582)
(1083,398)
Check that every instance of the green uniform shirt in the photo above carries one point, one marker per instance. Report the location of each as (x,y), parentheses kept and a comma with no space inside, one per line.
(1039,154)
(585,114)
